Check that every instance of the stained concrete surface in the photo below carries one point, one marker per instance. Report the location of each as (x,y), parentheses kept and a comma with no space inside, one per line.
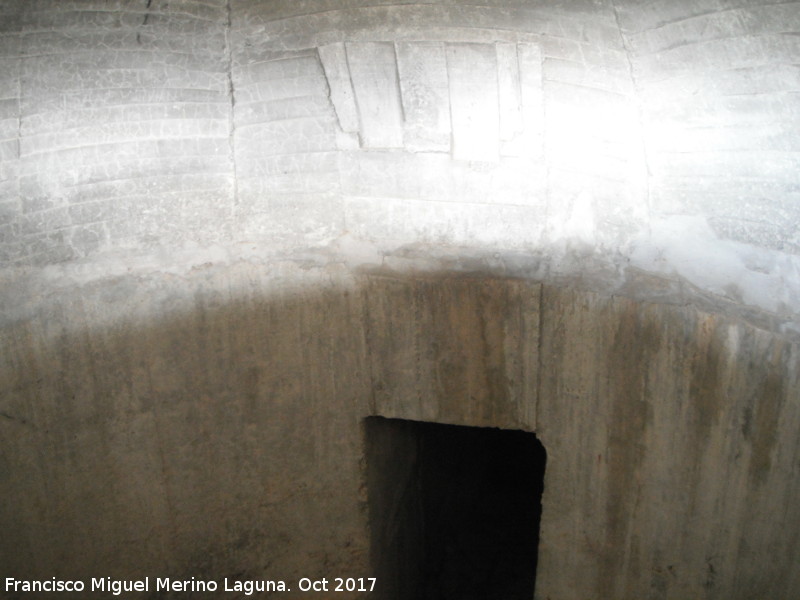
(210,424)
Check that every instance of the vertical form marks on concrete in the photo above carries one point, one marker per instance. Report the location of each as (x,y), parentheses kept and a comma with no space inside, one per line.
(763,431)
(684,412)
(631,354)
(474,104)
(449,351)
(373,68)
(637,100)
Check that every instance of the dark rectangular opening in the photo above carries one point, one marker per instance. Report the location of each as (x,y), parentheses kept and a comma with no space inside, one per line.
(454,511)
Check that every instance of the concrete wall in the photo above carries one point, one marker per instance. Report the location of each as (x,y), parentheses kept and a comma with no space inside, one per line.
(209,425)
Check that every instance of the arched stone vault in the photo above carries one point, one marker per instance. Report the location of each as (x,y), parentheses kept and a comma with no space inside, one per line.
(659,136)
(230,230)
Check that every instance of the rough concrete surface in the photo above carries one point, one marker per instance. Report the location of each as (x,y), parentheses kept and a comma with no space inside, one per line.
(210,424)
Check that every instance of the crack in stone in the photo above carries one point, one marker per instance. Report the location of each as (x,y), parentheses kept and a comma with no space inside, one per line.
(147,14)
(144,21)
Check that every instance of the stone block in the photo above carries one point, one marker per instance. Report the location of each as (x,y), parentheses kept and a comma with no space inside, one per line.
(373,69)
(87,239)
(377,218)
(474,103)
(111,134)
(292,220)
(9,151)
(92,212)
(9,84)
(337,72)
(530,143)
(484,225)
(309,84)
(9,208)
(475,225)
(8,233)
(509,91)
(44,221)
(44,249)
(293,67)
(282,109)
(286,137)
(81,117)
(426,96)
(744,52)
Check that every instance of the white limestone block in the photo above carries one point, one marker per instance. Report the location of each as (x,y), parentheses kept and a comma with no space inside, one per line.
(472,70)
(529,59)
(334,62)
(508,88)
(373,69)
(425,94)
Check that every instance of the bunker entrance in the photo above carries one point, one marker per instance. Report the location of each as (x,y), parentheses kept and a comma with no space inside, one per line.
(454,511)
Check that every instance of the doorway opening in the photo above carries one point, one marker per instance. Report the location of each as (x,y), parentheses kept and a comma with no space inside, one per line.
(454,511)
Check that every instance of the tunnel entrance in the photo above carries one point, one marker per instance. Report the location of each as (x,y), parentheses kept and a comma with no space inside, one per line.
(454,511)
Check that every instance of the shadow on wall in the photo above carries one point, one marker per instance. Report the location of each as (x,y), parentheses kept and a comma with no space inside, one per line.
(209,426)
(204,428)
(218,442)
